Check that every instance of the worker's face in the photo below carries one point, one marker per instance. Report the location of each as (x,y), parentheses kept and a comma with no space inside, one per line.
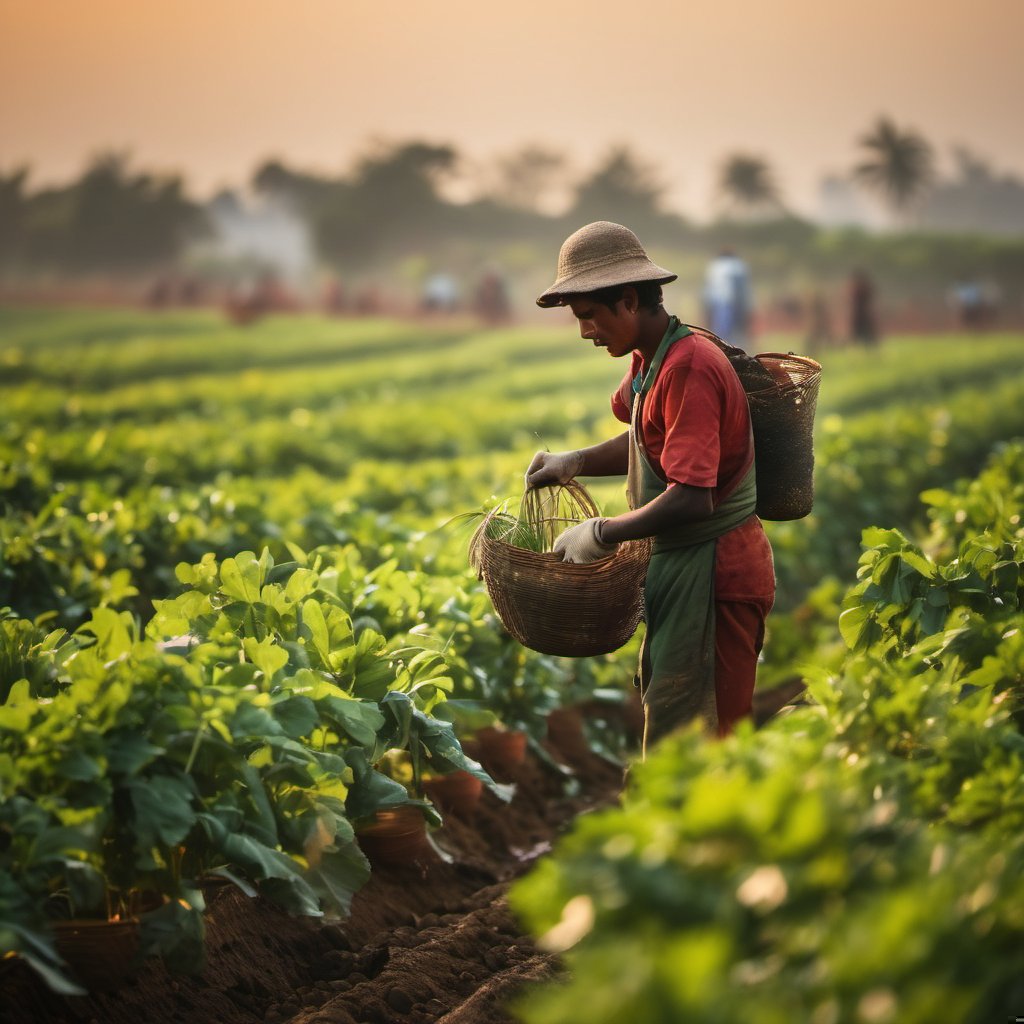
(612,329)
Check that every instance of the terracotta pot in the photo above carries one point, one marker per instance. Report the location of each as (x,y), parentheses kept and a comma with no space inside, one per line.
(457,793)
(101,954)
(502,751)
(395,837)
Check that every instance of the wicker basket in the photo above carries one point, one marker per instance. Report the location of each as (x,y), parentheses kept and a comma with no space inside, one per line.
(782,416)
(782,392)
(557,607)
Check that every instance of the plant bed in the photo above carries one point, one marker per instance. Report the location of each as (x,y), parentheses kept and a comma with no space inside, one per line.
(437,943)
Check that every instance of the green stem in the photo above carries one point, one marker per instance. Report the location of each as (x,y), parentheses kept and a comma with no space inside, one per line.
(195,746)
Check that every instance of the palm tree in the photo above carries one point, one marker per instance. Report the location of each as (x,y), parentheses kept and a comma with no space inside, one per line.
(747,183)
(899,164)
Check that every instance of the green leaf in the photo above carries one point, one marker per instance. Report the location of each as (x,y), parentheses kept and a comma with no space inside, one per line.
(163,810)
(918,562)
(78,765)
(236,879)
(281,572)
(370,790)
(113,631)
(19,710)
(301,583)
(877,537)
(1006,577)
(269,657)
(86,887)
(316,625)
(279,873)
(297,716)
(359,720)
(252,721)
(36,948)
(128,752)
(241,578)
(338,875)
(852,624)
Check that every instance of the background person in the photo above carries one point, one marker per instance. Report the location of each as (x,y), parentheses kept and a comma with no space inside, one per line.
(863,319)
(727,298)
(688,456)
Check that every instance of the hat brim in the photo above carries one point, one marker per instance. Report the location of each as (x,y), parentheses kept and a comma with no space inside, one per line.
(635,271)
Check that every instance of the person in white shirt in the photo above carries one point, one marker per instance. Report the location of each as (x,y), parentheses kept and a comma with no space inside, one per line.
(727,299)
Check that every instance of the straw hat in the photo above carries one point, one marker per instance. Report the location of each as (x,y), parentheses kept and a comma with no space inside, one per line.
(600,255)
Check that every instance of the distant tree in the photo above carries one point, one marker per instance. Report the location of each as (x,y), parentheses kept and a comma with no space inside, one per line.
(527,178)
(389,204)
(111,219)
(747,185)
(273,178)
(405,176)
(623,188)
(13,207)
(899,165)
(125,220)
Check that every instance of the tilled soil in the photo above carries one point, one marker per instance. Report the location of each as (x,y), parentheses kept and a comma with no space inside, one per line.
(432,941)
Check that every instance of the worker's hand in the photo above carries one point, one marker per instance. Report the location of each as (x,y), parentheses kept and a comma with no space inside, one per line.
(549,468)
(582,543)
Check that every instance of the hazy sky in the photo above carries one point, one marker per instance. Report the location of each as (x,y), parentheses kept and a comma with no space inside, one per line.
(211,87)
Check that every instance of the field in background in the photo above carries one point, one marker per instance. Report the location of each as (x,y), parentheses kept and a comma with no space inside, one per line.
(206,436)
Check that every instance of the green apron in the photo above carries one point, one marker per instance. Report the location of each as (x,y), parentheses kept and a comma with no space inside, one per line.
(677,660)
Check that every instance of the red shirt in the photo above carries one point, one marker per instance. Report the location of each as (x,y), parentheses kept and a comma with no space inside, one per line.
(696,429)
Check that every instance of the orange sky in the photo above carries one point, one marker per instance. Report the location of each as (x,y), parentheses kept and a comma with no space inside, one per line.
(211,87)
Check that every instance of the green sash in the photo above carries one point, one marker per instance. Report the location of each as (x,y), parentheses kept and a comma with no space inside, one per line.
(677,660)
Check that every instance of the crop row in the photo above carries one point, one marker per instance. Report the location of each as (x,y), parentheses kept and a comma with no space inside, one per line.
(246,736)
(859,859)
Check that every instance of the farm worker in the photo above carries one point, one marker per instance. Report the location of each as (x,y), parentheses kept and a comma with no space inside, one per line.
(727,300)
(688,457)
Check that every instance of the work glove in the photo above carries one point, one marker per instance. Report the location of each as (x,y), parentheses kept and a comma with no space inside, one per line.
(582,543)
(549,468)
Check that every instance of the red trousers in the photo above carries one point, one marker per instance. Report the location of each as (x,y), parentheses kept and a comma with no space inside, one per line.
(739,636)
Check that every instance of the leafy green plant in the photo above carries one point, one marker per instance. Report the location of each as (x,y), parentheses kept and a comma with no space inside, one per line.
(858,859)
(247,749)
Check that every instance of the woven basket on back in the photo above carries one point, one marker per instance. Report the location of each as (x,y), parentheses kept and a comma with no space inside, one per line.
(782,392)
(552,606)
(782,415)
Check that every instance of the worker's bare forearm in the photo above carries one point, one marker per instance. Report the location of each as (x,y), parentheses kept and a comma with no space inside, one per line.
(609,458)
(673,507)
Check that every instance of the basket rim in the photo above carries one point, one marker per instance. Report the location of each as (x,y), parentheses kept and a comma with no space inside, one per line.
(792,357)
(553,560)
(807,370)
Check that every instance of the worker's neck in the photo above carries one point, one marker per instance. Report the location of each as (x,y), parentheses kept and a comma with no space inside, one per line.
(652,329)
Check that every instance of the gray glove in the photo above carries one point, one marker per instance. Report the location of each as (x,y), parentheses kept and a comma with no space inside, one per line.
(549,468)
(582,543)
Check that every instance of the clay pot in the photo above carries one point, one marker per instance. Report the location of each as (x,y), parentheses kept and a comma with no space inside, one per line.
(457,793)
(565,726)
(502,751)
(101,954)
(395,837)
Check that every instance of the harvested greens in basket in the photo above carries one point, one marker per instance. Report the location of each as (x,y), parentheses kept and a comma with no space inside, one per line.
(544,512)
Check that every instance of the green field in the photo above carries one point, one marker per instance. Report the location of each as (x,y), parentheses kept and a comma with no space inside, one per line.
(283,492)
